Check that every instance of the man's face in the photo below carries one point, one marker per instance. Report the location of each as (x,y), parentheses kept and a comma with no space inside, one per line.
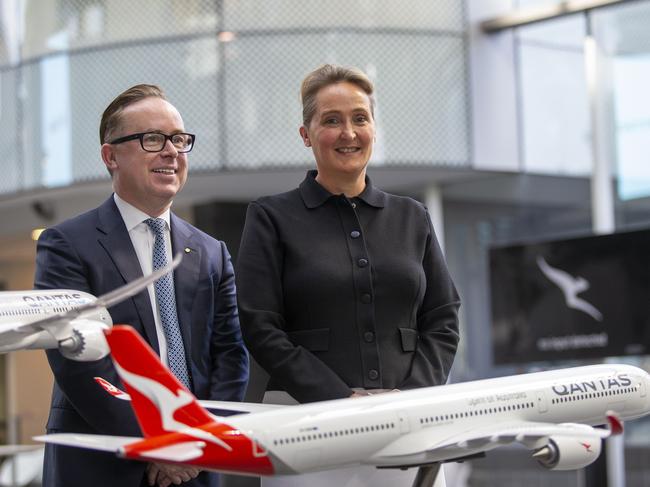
(147,180)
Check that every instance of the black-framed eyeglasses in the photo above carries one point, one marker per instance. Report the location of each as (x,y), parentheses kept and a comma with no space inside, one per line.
(155,141)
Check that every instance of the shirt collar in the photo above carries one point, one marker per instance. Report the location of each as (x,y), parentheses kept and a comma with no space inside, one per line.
(132,216)
(313,194)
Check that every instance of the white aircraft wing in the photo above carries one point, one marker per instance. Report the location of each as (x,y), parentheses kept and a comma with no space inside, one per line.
(105,301)
(231,406)
(93,442)
(532,435)
(16,327)
(23,467)
(179,452)
(527,433)
(6,450)
(240,407)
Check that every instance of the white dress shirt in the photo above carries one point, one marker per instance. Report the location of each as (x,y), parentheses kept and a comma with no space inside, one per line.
(142,238)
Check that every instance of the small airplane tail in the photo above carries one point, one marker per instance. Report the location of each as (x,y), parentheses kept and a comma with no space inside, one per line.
(614,423)
(176,427)
(160,402)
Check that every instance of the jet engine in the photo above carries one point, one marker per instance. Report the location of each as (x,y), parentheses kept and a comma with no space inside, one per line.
(86,342)
(568,452)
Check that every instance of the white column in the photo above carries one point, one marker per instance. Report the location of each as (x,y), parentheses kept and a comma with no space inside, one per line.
(12,410)
(615,451)
(602,190)
(433,200)
(493,89)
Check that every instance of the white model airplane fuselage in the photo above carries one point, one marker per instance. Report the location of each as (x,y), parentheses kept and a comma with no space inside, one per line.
(25,307)
(451,422)
(72,321)
(551,413)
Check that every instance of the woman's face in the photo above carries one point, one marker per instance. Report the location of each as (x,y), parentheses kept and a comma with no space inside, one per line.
(342,131)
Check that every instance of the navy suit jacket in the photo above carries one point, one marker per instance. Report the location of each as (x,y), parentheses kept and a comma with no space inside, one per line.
(93,253)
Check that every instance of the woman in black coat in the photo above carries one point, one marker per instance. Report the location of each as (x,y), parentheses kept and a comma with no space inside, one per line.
(343,288)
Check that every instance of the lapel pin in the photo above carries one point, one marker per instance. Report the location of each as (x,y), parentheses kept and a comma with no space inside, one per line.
(188,250)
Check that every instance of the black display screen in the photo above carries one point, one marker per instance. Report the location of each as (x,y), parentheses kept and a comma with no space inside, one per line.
(571,299)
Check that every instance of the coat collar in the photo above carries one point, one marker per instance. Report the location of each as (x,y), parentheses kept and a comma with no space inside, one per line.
(314,195)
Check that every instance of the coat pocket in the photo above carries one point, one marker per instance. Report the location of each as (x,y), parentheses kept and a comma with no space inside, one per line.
(409,338)
(317,340)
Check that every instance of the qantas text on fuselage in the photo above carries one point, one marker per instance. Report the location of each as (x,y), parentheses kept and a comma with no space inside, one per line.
(602,385)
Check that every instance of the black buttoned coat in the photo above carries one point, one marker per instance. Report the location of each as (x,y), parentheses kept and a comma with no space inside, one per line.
(335,293)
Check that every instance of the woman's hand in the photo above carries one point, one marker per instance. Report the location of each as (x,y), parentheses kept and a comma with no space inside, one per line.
(371,392)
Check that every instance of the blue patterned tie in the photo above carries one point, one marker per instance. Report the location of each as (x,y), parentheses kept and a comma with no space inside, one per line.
(167,305)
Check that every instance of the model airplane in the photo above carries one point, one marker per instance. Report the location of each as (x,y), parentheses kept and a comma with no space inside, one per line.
(8,450)
(551,413)
(72,321)
(23,465)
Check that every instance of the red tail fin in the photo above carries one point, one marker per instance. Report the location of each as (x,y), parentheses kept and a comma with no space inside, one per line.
(614,422)
(160,402)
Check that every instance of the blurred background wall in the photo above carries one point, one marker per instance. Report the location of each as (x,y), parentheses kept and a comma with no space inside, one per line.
(497,132)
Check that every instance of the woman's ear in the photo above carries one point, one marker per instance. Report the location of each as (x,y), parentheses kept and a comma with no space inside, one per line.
(305,136)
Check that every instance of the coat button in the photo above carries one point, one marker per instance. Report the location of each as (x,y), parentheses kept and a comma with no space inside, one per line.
(373,374)
(369,336)
(355,234)
(366,298)
(362,262)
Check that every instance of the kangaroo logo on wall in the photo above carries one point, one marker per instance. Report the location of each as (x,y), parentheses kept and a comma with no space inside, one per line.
(570,287)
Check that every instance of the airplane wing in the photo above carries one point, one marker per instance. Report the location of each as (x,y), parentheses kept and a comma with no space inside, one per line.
(525,433)
(530,434)
(178,452)
(240,407)
(93,442)
(23,467)
(147,448)
(229,406)
(6,450)
(104,301)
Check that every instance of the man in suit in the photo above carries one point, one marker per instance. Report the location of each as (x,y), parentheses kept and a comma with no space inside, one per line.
(144,147)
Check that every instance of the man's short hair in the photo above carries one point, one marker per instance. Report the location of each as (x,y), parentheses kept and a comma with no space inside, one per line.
(111,117)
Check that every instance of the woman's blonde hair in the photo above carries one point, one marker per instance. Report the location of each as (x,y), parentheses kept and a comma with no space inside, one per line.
(329,74)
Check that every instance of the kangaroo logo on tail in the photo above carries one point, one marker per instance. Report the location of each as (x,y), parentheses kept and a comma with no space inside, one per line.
(161,403)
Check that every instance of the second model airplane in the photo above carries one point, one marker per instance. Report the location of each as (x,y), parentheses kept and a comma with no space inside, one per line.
(552,413)
(72,321)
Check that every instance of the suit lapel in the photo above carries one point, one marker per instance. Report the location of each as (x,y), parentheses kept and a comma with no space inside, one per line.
(114,238)
(186,276)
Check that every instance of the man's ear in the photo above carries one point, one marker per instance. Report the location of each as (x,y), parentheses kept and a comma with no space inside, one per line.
(305,136)
(108,156)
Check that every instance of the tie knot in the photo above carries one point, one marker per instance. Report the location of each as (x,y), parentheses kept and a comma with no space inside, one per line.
(156,224)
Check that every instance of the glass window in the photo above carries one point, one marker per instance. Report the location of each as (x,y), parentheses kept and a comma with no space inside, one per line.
(421,111)
(364,14)
(554,103)
(238,94)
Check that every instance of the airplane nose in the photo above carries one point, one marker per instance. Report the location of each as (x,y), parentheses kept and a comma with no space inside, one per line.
(108,319)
